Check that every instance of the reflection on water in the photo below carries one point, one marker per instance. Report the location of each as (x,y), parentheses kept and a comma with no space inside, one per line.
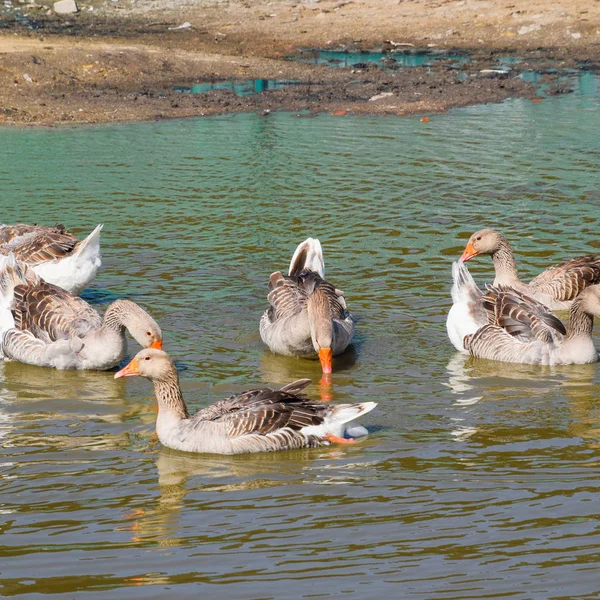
(477,480)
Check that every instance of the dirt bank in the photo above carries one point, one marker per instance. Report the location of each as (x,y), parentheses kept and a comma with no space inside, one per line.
(121,60)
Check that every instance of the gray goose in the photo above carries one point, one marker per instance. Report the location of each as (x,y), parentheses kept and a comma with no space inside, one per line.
(54,254)
(254,421)
(556,287)
(308,315)
(505,324)
(42,324)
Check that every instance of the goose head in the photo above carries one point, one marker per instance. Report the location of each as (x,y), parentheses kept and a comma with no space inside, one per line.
(484,241)
(143,328)
(151,363)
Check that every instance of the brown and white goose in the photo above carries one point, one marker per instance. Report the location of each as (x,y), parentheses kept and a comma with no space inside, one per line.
(253,421)
(54,254)
(308,315)
(42,324)
(555,287)
(507,325)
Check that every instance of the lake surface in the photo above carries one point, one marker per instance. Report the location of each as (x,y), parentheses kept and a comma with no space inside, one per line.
(479,479)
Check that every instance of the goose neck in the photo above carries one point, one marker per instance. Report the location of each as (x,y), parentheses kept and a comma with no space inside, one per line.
(505,264)
(581,322)
(169,396)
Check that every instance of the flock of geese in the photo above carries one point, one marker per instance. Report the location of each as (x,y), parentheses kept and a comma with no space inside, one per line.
(43,322)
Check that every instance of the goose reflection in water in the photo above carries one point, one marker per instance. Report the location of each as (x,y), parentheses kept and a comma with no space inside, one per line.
(35,400)
(279,369)
(180,473)
(473,380)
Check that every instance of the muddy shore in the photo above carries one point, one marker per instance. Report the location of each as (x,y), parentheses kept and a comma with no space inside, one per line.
(122,60)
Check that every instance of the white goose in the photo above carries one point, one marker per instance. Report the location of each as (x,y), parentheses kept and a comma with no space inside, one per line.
(54,253)
(42,324)
(506,325)
(308,315)
(253,421)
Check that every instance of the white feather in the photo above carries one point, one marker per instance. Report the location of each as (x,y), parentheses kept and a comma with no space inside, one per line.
(74,272)
(467,313)
(314,256)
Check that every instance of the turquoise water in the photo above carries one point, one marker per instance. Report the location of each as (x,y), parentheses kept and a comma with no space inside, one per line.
(239,88)
(478,480)
(398,58)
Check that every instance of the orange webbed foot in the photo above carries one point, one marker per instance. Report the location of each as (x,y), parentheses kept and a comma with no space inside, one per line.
(334,439)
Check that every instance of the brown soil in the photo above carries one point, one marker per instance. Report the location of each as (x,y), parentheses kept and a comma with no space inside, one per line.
(122,60)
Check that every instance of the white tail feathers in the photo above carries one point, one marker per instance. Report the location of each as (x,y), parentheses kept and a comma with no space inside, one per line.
(91,245)
(467,313)
(464,288)
(344,413)
(308,257)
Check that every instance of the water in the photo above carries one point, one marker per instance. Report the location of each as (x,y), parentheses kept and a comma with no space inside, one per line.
(395,58)
(479,480)
(239,88)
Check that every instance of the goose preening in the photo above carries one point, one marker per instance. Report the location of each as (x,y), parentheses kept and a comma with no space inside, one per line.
(43,324)
(54,254)
(556,287)
(308,315)
(505,324)
(253,421)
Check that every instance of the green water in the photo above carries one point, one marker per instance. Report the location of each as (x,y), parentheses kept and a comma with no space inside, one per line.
(479,480)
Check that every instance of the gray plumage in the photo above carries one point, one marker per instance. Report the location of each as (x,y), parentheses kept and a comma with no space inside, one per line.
(43,324)
(254,421)
(307,313)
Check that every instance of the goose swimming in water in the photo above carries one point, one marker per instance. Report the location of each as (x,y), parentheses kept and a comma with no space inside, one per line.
(42,324)
(308,315)
(505,324)
(254,421)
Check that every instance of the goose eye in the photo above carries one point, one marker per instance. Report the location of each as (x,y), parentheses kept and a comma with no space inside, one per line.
(478,238)
(147,358)
(148,333)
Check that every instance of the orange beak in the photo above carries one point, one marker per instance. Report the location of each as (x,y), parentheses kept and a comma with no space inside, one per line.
(157,344)
(325,355)
(130,370)
(469,253)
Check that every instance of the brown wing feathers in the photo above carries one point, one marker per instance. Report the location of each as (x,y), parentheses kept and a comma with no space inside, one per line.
(265,411)
(521,316)
(289,294)
(568,279)
(34,244)
(52,313)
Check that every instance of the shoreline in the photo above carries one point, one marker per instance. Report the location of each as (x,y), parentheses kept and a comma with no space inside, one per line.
(92,75)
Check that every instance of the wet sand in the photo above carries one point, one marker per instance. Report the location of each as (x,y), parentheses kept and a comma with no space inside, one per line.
(122,61)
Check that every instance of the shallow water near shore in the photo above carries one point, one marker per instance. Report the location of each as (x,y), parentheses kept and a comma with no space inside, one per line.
(478,480)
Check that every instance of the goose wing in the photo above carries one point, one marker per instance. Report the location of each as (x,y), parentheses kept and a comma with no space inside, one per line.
(495,343)
(566,280)
(51,313)
(265,411)
(289,293)
(521,316)
(40,245)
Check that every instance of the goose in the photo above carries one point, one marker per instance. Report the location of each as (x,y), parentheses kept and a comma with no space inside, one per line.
(556,287)
(308,315)
(505,324)
(54,254)
(43,324)
(258,420)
